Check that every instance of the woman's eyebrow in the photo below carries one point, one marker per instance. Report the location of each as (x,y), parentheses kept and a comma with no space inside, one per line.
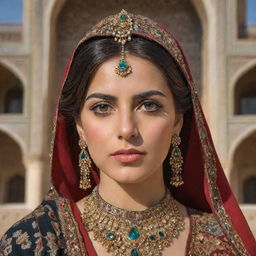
(135,97)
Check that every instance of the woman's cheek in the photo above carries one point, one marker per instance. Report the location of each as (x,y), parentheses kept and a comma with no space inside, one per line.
(95,131)
(160,139)
(160,130)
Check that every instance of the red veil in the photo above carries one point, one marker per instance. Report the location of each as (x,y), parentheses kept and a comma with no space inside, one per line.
(206,187)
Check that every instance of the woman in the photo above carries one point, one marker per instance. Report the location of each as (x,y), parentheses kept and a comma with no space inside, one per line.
(134,170)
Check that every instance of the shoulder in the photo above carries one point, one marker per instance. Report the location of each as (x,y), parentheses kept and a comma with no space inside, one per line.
(207,236)
(206,222)
(36,233)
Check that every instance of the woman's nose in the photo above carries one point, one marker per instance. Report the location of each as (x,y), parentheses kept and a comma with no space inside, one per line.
(127,126)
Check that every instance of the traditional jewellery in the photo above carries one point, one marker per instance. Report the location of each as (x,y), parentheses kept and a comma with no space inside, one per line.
(84,164)
(121,26)
(133,233)
(176,162)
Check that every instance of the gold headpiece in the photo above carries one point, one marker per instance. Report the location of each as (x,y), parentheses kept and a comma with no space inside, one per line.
(122,27)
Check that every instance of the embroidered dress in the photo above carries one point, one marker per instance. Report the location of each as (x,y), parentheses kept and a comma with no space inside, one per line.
(218,226)
(51,229)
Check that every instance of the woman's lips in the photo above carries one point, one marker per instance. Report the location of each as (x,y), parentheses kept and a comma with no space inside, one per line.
(128,158)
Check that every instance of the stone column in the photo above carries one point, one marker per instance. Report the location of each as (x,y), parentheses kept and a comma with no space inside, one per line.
(34,160)
(33,186)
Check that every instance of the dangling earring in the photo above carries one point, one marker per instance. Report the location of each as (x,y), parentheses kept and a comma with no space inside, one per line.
(176,161)
(84,164)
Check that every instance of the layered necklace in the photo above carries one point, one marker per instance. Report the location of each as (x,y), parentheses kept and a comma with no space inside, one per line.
(133,233)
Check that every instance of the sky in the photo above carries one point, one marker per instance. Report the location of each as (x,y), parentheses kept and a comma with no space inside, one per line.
(11,11)
(251,12)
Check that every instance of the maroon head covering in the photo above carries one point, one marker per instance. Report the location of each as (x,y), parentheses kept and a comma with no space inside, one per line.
(205,185)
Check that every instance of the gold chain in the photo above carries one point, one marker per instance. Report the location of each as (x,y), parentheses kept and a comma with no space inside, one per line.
(133,233)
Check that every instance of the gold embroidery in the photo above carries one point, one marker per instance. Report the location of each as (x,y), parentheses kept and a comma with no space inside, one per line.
(208,237)
(210,169)
(74,241)
(53,136)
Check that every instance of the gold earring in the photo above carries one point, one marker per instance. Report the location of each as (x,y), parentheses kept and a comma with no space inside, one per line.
(176,161)
(84,164)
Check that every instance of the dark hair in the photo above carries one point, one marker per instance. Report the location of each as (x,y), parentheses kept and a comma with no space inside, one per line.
(92,53)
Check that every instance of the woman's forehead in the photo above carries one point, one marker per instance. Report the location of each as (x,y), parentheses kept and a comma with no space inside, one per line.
(145,76)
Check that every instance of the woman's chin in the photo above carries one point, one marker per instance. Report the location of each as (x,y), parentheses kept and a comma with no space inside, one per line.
(130,179)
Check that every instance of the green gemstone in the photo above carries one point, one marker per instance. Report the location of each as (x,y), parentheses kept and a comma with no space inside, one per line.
(122,64)
(212,230)
(122,17)
(161,234)
(110,236)
(212,223)
(176,153)
(134,252)
(134,234)
(83,155)
(152,238)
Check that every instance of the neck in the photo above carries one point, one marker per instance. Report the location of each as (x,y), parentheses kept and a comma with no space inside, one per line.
(133,196)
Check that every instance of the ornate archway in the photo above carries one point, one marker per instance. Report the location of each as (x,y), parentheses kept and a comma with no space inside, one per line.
(180,17)
(11,165)
(11,92)
(59,12)
(244,165)
(245,92)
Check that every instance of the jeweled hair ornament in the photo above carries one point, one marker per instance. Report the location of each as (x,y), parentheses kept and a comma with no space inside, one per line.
(122,27)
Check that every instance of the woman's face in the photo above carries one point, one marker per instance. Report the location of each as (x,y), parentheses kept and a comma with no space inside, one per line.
(133,112)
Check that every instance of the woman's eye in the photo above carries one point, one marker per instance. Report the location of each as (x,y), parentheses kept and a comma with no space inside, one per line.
(151,106)
(101,108)
(105,108)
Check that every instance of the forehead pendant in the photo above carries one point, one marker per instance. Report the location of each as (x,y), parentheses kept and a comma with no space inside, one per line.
(122,27)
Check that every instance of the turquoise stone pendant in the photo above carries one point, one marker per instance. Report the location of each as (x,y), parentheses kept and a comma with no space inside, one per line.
(110,236)
(134,252)
(134,234)
(161,234)
(83,155)
(122,17)
(176,152)
(122,64)
(152,238)
(123,69)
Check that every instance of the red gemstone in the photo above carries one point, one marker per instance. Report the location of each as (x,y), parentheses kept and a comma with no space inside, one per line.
(62,205)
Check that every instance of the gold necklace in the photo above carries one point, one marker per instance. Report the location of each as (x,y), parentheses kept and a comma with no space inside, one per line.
(133,233)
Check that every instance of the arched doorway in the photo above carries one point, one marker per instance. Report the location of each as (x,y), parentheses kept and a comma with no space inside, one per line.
(15,192)
(179,16)
(245,93)
(243,175)
(11,92)
(249,189)
(12,171)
